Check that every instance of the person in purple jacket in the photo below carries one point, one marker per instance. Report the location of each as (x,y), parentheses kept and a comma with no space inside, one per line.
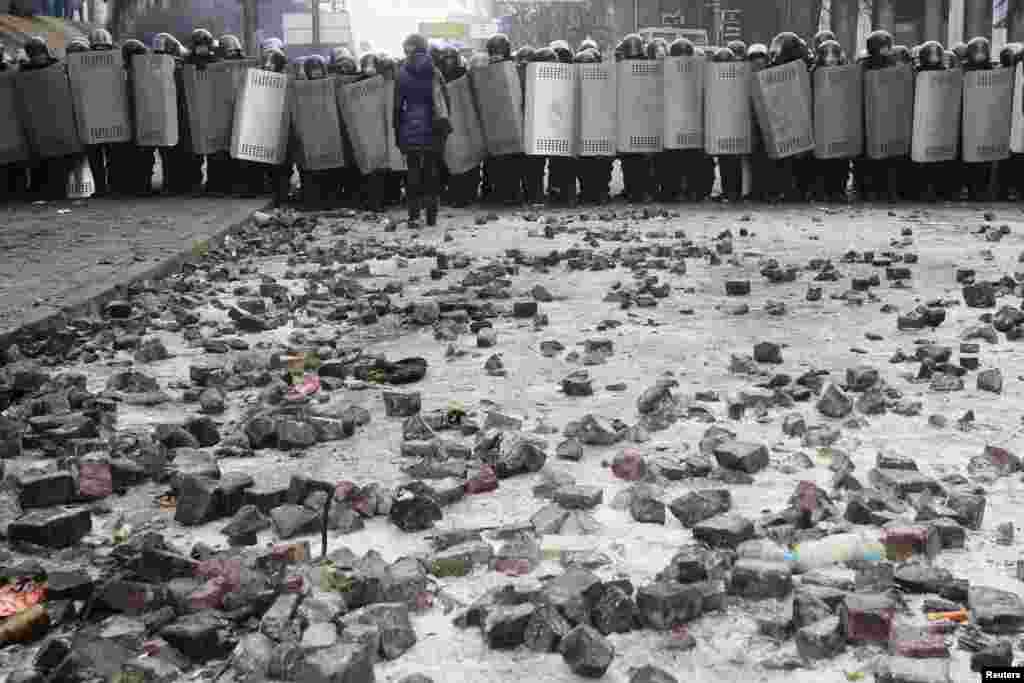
(421,127)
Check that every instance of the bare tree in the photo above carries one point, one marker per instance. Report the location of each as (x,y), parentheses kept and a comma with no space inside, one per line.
(539,23)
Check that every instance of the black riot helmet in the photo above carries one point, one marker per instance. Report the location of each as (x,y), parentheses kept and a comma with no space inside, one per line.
(346,65)
(829,53)
(166,44)
(271,44)
(434,49)
(385,65)
(590,44)
(274,60)
(130,48)
(545,54)
(950,60)
(449,58)
(201,43)
(979,54)
(563,51)
(723,54)
(524,55)
(338,53)
(499,47)
(738,47)
(230,47)
(960,50)
(633,47)
(1011,54)
(757,55)
(880,45)
(368,64)
(77,45)
(588,56)
(619,53)
(822,36)
(681,47)
(657,49)
(100,39)
(315,67)
(37,51)
(930,56)
(785,48)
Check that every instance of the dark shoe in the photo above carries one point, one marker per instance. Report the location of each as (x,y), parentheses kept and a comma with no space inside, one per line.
(432,216)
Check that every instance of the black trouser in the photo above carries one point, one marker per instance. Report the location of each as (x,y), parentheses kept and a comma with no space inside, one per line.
(130,169)
(594,174)
(219,173)
(531,173)
(422,188)
(13,182)
(462,188)
(315,186)
(669,167)
(502,173)
(562,180)
(99,164)
(637,176)
(730,170)
(700,176)
(978,180)
(49,178)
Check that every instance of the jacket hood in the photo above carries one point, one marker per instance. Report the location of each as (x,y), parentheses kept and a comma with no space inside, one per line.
(420,65)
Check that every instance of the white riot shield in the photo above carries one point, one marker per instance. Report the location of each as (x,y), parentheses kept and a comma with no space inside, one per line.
(260,130)
(782,100)
(550,122)
(1017,114)
(499,99)
(156,101)
(889,111)
(640,110)
(13,145)
(47,113)
(317,126)
(838,112)
(937,97)
(596,106)
(683,87)
(465,148)
(727,121)
(363,109)
(99,86)
(988,104)
(396,160)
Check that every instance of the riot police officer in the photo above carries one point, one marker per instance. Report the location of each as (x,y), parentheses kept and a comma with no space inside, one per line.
(460,188)
(345,181)
(280,175)
(762,168)
(730,166)
(392,180)
(1010,172)
(503,172)
(738,48)
(833,174)
(637,171)
(174,177)
(371,185)
(872,175)
(201,54)
(48,177)
(562,170)
(978,175)
(13,177)
(99,41)
(314,185)
(594,173)
(131,166)
(531,185)
(225,175)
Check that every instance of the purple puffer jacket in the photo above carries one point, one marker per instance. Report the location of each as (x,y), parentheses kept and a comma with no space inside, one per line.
(419,102)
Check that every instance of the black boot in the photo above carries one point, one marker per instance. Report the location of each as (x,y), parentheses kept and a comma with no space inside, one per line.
(432,212)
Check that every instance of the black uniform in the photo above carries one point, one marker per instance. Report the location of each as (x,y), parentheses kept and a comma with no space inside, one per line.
(48,177)
(503,173)
(460,188)
(13,177)
(562,170)
(637,169)
(531,168)
(730,166)
(978,175)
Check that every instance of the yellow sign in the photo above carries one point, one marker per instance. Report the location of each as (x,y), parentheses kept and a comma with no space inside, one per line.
(444,30)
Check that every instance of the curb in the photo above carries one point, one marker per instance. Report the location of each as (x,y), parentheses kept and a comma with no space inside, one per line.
(54,322)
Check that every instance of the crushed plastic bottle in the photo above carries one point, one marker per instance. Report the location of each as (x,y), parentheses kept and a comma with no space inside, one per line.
(836,549)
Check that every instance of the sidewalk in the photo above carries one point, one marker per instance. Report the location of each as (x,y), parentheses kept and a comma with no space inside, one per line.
(51,260)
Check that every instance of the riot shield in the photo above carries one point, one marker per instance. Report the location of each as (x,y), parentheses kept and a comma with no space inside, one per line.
(260,129)
(596,108)
(13,145)
(936,115)
(988,104)
(499,100)
(550,120)
(640,110)
(47,113)
(727,119)
(210,96)
(156,101)
(683,87)
(317,126)
(396,160)
(1017,114)
(362,108)
(782,100)
(889,111)
(99,86)
(465,148)
(838,112)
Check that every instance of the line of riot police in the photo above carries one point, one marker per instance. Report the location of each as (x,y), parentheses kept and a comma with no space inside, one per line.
(127,169)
